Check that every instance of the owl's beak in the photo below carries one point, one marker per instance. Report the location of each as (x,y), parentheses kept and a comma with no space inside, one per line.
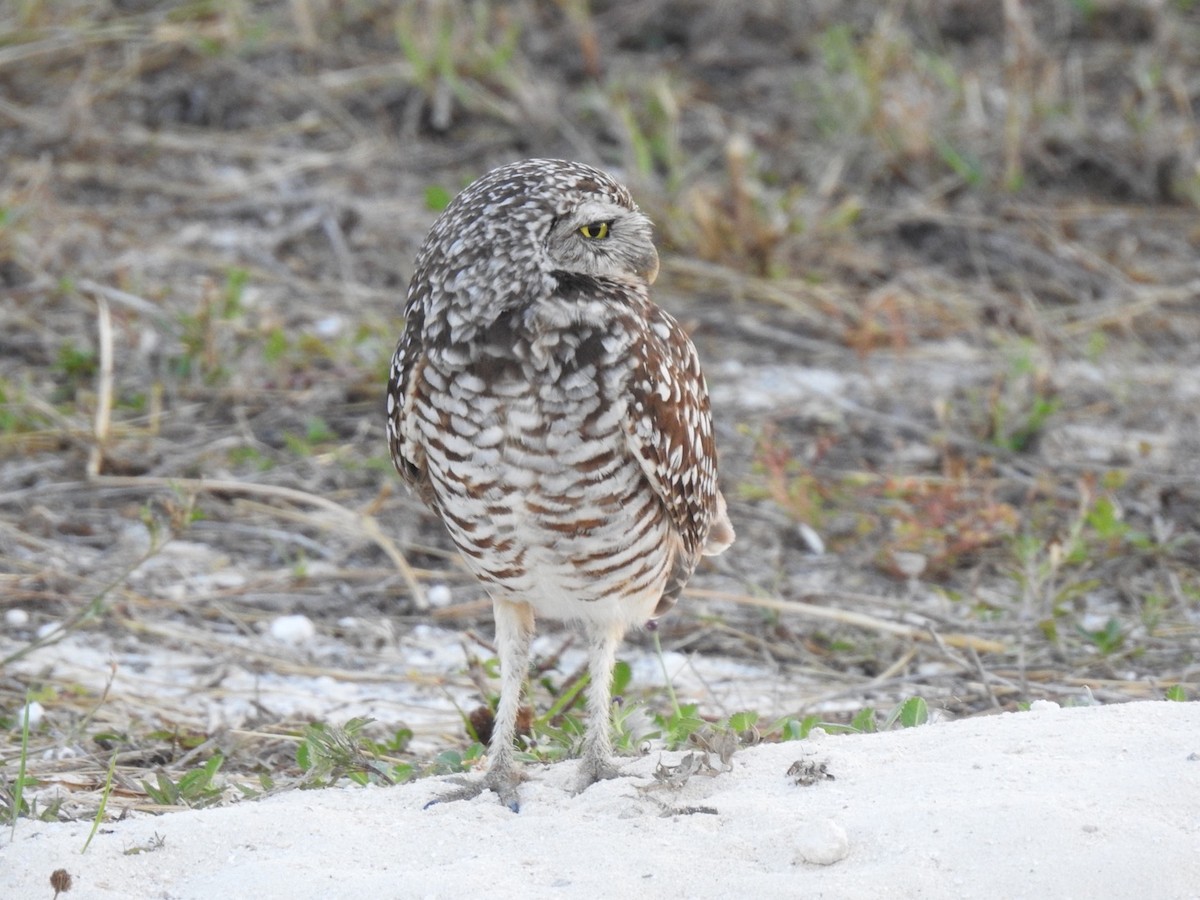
(649,266)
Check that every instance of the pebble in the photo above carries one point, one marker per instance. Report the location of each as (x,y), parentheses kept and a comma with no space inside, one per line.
(822,843)
(438,595)
(35,711)
(293,630)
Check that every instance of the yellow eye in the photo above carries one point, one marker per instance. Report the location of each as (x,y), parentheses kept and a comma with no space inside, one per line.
(596,231)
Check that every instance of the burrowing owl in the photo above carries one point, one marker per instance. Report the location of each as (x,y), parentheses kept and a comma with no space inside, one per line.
(558,423)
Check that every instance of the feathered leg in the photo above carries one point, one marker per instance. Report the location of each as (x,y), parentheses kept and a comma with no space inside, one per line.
(514,631)
(596,763)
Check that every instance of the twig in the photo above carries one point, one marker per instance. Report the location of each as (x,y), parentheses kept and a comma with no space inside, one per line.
(121,298)
(984,676)
(104,387)
(845,617)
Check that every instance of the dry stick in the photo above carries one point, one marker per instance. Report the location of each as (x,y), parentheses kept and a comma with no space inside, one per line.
(860,620)
(975,664)
(366,525)
(985,676)
(104,387)
(121,298)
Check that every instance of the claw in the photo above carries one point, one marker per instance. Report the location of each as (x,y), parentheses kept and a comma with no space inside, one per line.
(593,769)
(502,783)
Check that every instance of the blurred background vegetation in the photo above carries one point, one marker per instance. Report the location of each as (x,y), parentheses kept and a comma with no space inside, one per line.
(941,259)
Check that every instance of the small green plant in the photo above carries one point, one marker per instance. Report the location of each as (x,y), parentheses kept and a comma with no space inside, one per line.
(76,367)
(648,113)
(912,712)
(104,795)
(196,789)
(1106,525)
(328,753)
(1020,402)
(460,53)
(865,721)
(209,337)
(156,842)
(251,457)
(235,287)
(317,432)
(1108,640)
(17,791)
(437,198)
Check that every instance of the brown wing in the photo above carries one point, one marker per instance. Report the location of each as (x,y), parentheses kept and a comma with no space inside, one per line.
(669,428)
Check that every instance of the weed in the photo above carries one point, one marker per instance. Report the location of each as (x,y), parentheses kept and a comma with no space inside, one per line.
(942,521)
(865,721)
(740,222)
(76,368)
(1020,401)
(317,432)
(788,482)
(104,795)
(17,791)
(196,789)
(437,198)
(206,335)
(648,114)
(250,457)
(1108,640)
(328,753)
(460,53)
(910,713)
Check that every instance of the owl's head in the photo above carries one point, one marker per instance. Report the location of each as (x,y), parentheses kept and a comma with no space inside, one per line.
(539,216)
(598,229)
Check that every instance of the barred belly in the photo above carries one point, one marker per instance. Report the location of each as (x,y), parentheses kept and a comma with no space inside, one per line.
(543,496)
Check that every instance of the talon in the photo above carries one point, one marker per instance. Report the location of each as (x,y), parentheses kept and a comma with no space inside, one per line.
(593,770)
(503,783)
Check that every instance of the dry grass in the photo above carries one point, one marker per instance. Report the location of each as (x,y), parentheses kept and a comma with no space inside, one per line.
(968,231)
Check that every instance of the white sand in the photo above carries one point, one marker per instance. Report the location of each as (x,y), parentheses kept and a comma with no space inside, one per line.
(1097,802)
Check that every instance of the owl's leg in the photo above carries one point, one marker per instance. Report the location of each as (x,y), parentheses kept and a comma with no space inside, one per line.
(514,631)
(596,764)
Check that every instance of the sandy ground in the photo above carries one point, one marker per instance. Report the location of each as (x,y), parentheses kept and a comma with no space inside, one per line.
(1086,802)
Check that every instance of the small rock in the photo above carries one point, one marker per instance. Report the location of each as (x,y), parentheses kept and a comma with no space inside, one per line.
(35,711)
(812,540)
(822,843)
(329,326)
(438,595)
(293,630)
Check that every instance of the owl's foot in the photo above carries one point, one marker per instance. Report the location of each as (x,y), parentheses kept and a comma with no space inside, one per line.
(501,781)
(593,769)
